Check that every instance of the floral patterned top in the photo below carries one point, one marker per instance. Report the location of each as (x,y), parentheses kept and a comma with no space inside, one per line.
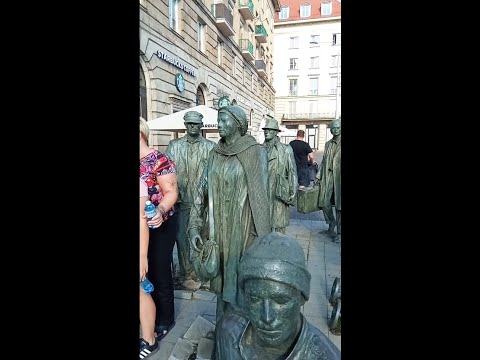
(156,164)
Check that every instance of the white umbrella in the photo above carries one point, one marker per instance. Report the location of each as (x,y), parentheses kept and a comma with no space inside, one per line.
(287,132)
(174,122)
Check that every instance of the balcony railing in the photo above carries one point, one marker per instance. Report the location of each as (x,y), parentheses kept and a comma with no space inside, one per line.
(313,92)
(224,19)
(246,9)
(303,116)
(292,93)
(261,67)
(261,33)
(247,49)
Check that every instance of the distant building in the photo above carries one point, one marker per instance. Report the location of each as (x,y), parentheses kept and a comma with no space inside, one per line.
(194,52)
(308,67)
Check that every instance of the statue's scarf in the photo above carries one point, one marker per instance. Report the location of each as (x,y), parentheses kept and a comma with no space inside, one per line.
(246,152)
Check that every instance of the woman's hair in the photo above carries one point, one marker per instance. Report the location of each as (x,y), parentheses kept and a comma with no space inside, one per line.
(239,115)
(144,129)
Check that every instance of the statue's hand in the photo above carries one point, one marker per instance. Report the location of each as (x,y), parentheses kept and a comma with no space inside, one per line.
(195,241)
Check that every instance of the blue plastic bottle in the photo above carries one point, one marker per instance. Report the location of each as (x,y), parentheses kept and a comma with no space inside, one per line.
(147,286)
(150,211)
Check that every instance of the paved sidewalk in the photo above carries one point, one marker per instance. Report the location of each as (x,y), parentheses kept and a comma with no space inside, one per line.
(323,262)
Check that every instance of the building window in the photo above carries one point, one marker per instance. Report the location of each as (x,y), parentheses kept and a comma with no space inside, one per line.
(293,87)
(333,85)
(201,35)
(326,9)
(292,107)
(314,62)
(220,53)
(312,108)
(294,42)
(293,64)
(337,39)
(305,10)
(284,13)
(250,120)
(313,86)
(334,61)
(200,96)
(314,40)
(173,7)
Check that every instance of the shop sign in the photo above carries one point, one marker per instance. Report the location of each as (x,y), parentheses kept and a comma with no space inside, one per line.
(175,62)
(180,82)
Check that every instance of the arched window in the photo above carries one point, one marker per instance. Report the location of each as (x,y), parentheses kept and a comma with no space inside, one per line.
(200,96)
(143,95)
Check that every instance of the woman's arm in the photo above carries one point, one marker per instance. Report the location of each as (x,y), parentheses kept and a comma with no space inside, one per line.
(168,186)
(144,238)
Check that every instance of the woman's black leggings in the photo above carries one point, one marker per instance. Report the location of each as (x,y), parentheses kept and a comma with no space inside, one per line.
(160,248)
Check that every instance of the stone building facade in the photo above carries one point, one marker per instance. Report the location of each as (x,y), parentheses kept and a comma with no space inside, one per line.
(193,52)
(308,67)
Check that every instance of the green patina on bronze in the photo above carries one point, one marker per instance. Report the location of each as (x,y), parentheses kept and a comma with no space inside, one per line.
(282,177)
(276,283)
(330,180)
(233,189)
(190,154)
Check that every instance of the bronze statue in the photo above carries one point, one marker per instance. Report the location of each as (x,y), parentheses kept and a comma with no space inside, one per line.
(276,283)
(234,189)
(329,177)
(190,154)
(282,177)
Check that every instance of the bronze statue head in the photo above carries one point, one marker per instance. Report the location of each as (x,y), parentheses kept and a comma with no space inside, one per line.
(193,122)
(236,113)
(271,129)
(276,283)
(193,117)
(335,127)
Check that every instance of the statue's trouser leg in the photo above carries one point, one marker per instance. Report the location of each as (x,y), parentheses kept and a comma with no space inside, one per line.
(223,307)
(183,245)
(339,221)
(329,217)
(328,211)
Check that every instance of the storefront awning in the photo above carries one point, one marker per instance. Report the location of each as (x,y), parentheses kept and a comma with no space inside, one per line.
(174,122)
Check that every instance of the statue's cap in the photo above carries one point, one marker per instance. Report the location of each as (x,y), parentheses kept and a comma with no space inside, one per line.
(193,117)
(271,124)
(276,257)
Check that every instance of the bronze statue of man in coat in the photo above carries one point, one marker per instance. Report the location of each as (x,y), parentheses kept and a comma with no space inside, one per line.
(190,154)
(330,180)
(282,177)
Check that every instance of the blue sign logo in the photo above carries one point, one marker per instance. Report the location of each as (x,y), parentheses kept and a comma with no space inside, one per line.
(180,82)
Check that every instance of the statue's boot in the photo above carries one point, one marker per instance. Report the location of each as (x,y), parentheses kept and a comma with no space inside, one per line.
(330,231)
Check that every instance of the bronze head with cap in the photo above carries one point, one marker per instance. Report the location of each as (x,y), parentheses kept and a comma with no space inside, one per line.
(276,283)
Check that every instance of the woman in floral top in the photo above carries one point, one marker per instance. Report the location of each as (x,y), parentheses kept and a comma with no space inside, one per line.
(158,171)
